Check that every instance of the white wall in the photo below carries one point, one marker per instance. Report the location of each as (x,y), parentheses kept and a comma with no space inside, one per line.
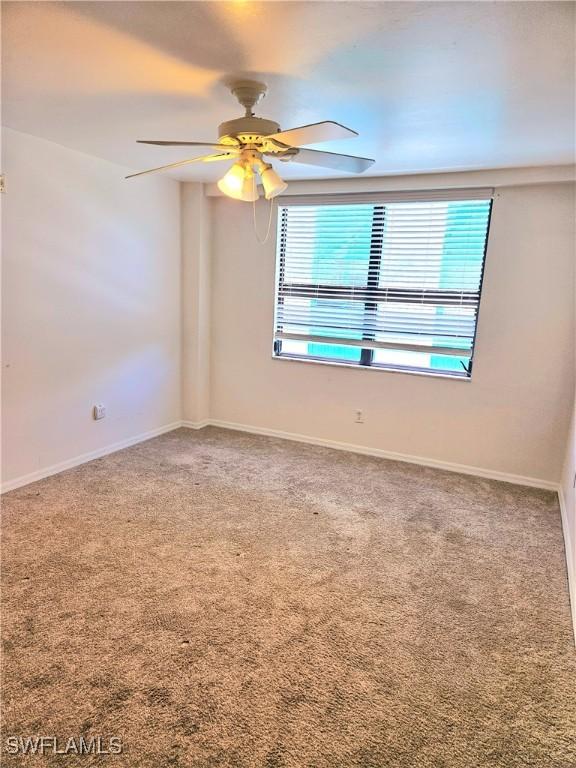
(568,505)
(91,304)
(195,292)
(101,305)
(511,418)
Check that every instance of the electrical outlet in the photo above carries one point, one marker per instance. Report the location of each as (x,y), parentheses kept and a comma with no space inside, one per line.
(99,412)
(359,416)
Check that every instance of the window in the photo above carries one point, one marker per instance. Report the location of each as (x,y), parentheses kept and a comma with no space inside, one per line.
(384,281)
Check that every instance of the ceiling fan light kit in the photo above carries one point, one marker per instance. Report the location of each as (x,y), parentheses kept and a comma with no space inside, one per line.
(248,139)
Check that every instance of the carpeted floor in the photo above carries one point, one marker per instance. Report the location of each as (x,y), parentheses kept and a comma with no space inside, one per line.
(219,599)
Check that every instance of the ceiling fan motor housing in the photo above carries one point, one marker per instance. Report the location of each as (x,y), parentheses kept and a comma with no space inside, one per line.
(248,130)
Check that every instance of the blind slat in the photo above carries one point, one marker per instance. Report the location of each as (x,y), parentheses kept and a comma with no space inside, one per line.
(375,198)
(452,351)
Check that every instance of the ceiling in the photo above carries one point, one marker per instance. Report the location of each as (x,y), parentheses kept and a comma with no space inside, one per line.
(429,86)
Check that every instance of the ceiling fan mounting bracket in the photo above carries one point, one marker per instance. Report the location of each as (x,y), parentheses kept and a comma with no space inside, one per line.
(248,93)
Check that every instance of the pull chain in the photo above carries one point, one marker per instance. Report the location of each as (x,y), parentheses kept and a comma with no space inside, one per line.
(260,240)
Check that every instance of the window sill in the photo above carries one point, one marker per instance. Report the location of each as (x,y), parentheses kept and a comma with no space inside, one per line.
(380,368)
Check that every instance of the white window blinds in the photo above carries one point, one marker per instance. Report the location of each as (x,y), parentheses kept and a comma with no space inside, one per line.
(382,280)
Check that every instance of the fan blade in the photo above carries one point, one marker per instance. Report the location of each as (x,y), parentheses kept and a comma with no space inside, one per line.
(212,144)
(348,163)
(204,158)
(311,134)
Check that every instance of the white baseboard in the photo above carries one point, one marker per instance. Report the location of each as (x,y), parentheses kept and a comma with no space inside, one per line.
(570,564)
(196,424)
(294,436)
(490,474)
(18,482)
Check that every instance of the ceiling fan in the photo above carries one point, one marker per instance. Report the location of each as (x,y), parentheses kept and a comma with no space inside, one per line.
(247,140)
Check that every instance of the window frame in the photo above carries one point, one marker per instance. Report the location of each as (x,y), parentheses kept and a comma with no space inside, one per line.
(371,292)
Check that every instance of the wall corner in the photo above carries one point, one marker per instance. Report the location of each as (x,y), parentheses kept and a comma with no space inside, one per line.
(195,301)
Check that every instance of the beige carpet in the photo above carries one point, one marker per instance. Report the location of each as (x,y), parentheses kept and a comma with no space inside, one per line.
(219,599)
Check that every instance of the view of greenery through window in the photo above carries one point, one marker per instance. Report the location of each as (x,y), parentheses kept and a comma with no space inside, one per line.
(430,252)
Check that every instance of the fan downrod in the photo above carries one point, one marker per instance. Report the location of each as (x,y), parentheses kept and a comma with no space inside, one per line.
(248,93)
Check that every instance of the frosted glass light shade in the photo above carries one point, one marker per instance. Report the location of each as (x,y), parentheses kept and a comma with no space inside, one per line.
(238,182)
(272,183)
